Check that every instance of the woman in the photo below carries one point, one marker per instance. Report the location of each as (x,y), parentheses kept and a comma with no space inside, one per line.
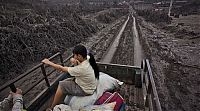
(85,73)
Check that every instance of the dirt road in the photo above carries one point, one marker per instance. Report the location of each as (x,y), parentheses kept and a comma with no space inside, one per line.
(138,51)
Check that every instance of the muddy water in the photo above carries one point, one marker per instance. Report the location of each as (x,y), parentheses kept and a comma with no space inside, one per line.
(138,52)
(111,51)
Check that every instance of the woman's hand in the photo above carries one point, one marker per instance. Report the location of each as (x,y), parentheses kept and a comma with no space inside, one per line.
(46,61)
(74,61)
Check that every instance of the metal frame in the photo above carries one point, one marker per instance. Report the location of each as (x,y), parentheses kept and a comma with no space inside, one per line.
(142,79)
(151,100)
(125,73)
(41,66)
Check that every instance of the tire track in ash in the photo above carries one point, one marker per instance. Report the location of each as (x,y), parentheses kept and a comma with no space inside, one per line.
(125,52)
(138,51)
(101,42)
(107,57)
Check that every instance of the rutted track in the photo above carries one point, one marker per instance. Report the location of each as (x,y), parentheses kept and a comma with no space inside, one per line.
(101,42)
(126,48)
(114,45)
(125,51)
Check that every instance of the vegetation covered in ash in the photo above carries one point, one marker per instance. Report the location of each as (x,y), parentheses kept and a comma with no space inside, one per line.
(111,15)
(154,16)
(189,8)
(31,31)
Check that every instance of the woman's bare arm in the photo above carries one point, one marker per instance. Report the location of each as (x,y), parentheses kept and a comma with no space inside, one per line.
(56,66)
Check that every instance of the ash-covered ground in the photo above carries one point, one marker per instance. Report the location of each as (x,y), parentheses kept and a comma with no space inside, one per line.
(174,53)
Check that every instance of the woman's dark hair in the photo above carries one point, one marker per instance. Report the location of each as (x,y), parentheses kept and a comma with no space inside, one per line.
(80,49)
(94,65)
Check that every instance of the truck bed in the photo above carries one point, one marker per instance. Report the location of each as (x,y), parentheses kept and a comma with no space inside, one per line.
(127,91)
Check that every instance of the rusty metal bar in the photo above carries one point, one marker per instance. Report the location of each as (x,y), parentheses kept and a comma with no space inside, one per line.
(45,75)
(153,87)
(61,60)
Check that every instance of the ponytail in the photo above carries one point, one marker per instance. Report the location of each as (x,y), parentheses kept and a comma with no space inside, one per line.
(94,65)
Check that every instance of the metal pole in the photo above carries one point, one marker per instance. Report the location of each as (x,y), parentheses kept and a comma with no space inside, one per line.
(61,60)
(170,7)
(45,75)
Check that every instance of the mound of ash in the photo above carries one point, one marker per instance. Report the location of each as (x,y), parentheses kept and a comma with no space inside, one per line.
(31,31)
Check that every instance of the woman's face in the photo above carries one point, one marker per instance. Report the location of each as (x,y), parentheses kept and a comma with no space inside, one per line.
(78,57)
(75,56)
